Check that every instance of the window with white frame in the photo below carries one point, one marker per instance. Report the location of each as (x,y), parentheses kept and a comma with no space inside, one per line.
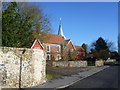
(48,57)
(58,48)
(48,48)
(71,50)
(58,56)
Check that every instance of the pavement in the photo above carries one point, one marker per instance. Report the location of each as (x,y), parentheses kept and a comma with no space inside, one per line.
(66,81)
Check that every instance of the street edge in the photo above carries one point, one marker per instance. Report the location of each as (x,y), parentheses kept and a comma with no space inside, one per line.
(80,79)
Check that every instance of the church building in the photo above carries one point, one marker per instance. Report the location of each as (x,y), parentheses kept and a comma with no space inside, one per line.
(58,47)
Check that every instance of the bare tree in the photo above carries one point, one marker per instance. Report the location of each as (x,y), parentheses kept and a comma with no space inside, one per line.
(110,45)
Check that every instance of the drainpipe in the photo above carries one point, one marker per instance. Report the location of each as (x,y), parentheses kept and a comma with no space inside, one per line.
(21,68)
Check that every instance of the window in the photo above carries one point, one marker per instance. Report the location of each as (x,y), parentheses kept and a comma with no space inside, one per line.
(48,57)
(58,48)
(58,57)
(48,48)
(71,50)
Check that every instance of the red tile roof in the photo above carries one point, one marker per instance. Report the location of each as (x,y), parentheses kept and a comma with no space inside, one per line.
(79,48)
(54,39)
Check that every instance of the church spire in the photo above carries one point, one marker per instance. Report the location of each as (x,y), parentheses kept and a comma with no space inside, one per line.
(60,32)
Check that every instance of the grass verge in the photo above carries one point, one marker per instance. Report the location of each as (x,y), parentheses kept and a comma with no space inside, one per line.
(51,76)
(65,67)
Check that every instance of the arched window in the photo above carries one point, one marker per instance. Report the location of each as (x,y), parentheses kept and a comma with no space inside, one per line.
(48,57)
(58,56)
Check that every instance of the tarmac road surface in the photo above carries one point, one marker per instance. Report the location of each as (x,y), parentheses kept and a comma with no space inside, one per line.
(107,78)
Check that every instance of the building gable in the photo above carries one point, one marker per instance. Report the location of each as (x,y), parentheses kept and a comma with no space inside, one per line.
(37,44)
(69,45)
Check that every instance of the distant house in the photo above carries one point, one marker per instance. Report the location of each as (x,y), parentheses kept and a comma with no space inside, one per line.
(80,53)
(57,47)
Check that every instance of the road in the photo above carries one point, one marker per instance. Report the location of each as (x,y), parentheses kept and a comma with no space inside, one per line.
(107,78)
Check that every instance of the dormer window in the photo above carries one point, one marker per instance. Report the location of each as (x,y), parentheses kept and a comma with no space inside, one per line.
(48,48)
(58,48)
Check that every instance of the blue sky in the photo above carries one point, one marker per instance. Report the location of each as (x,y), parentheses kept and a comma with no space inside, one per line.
(84,22)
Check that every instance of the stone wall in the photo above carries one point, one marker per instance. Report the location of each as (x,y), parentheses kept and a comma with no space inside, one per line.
(99,63)
(68,63)
(111,60)
(22,66)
